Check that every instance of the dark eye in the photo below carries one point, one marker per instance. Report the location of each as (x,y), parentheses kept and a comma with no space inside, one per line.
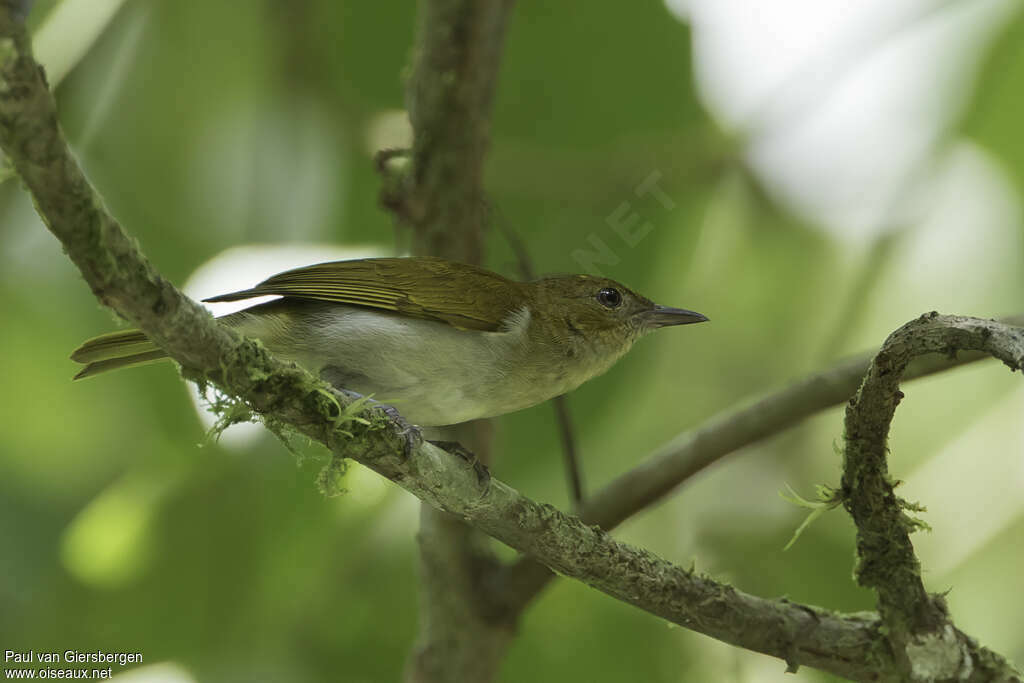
(609,297)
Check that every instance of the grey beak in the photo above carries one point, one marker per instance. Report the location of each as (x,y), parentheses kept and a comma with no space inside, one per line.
(663,316)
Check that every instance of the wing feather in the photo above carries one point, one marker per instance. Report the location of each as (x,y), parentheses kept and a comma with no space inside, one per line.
(419,287)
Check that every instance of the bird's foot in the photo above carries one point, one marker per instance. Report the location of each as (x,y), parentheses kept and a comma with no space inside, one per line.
(408,432)
(483,475)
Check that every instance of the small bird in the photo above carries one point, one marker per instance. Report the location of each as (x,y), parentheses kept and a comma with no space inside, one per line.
(441,341)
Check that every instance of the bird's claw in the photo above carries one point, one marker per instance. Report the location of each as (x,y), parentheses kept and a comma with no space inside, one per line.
(410,434)
(483,475)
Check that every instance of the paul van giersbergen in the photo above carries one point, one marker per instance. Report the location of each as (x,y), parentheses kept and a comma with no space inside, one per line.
(72,657)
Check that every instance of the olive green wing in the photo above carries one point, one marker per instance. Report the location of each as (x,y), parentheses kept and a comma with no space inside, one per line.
(428,288)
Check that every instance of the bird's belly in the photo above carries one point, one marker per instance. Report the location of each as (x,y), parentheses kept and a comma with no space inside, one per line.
(433,394)
(434,374)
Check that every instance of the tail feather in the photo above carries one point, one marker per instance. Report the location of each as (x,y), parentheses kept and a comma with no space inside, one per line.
(114,363)
(115,350)
(237,296)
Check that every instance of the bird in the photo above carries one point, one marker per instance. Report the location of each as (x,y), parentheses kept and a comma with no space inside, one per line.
(442,342)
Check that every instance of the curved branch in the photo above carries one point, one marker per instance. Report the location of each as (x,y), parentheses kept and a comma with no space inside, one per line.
(689,453)
(918,625)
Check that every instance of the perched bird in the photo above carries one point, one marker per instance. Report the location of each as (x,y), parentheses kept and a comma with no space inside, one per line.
(443,342)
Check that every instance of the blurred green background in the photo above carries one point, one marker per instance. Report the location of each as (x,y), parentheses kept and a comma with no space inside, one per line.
(209,125)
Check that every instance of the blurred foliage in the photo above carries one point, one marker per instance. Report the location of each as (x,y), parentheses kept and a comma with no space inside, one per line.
(997,107)
(205,127)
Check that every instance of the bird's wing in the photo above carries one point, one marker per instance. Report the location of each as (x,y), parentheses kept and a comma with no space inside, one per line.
(420,287)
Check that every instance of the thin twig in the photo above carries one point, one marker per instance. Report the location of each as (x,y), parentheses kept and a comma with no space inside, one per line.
(570,455)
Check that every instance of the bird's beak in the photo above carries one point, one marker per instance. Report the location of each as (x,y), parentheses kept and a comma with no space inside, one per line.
(663,316)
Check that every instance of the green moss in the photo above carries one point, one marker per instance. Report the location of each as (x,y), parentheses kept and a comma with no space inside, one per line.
(329,479)
(229,410)
(338,422)
(828,498)
(912,523)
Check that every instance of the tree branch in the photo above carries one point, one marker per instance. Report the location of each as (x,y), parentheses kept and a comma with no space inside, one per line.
(449,94)
(454,75)
(461,636)
(926,643)
(689,453)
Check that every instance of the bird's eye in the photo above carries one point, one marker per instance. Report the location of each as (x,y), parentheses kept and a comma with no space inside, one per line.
(609,297)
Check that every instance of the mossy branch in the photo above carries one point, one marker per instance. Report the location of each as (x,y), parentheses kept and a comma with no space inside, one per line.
(451,86)
(926,644)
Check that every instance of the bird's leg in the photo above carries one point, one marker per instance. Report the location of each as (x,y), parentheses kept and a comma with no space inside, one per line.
(483,475)
(409,433)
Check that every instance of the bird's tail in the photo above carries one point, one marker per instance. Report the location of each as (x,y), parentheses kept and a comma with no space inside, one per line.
(115,350)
